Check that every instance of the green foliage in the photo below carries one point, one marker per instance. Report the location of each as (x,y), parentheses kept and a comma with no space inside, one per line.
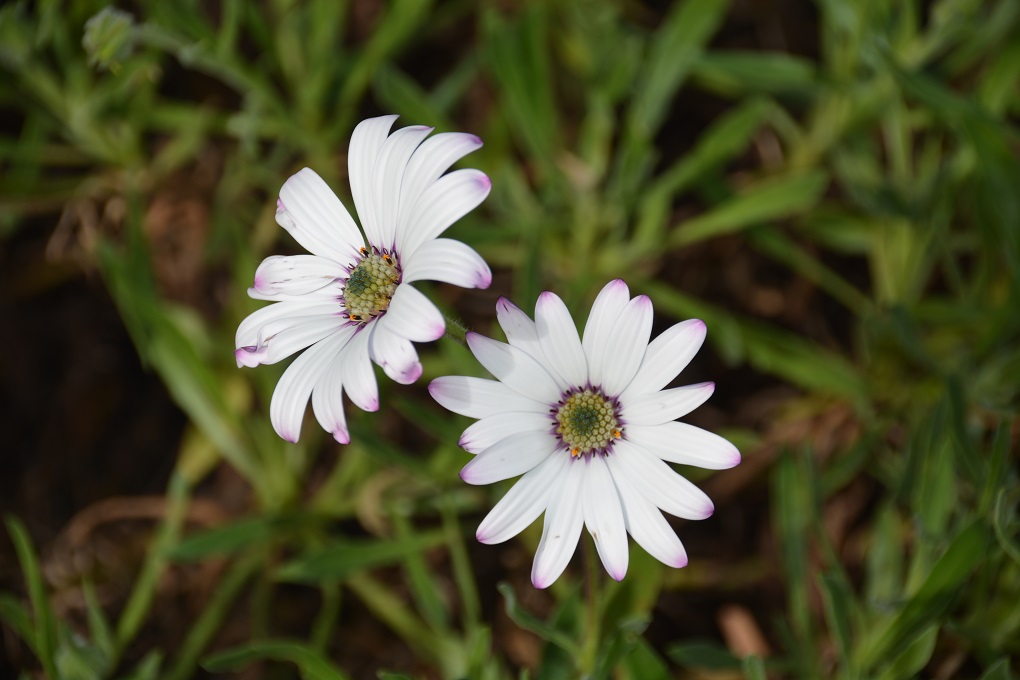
(880,176)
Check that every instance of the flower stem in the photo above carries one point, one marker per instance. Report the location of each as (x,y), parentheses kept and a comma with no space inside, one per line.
(593,613)
(456,331)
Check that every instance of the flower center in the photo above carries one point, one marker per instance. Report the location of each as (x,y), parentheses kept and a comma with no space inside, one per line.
(587,422)
(371,285)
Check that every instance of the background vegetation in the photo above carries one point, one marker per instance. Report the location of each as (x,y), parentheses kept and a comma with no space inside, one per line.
(832,186)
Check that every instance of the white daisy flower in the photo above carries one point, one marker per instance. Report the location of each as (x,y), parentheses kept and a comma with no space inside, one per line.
(349,302)
(589,426)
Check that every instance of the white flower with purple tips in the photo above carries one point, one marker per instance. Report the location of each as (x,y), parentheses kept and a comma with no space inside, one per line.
(349,302)
(589,426)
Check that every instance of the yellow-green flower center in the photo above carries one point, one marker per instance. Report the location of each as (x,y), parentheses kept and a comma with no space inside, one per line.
(586,422)
(370,286)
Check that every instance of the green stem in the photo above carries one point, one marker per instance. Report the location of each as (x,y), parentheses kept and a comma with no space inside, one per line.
(456,331)
(593,613)
(463,574)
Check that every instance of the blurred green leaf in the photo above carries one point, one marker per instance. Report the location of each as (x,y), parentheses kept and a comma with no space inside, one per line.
(99,627)
(705,654)
(109,38)
(914,658)
(231,538)
(14,614)
(147,668)
(645,663)
(672,52)
(311,664)
(884,564)
(517,51)
(754,668)
(765,347)
(770,199)
(741,73)
(838,600)
(143,590)
(998,671)
(44,634)
(793,502)
(344,557)
(931,601)
(528,621)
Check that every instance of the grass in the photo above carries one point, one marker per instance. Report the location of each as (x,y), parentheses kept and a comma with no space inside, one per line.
(868,179)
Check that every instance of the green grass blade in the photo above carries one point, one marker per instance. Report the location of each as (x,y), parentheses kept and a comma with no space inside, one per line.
(45,627)
(311,664)
(343,558)
(770,199)
(932,600)
(528,621)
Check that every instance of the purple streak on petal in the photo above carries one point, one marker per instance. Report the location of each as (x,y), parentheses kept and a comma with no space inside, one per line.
(342,436)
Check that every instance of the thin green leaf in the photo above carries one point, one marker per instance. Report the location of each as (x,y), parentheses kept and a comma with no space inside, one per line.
(45,628)
(932,600)
(311,664)
(740,73)
(914,658)
(999,671)
(705,654)
(754,668)
(838,600)
(228,539)
(144,590)
(99,628)
(342,558)
(770,199)
(14,614)
(528,621)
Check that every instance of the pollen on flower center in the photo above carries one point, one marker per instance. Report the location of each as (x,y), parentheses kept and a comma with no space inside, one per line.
(370,286)
(587,422)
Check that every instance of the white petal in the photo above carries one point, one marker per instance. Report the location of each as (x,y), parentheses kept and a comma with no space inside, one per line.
(280,338)
(563,522)
(522,333)
(327,398)
(603,515)
(295,274)
(524,502)
(444,202)
(395,354)
(666,356)
(413,316)
(359,378)
(434,157)
(514,368)
(366,143)
(331,292)
(626,346)
(558,338)
(316,218)
(499,426)
(658,482)
(290,397)
(478,397)
(248,330)
(604,312)
(685,444)
(449,261)
(386,181)
(510,457)
(661,407)
(647,525)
